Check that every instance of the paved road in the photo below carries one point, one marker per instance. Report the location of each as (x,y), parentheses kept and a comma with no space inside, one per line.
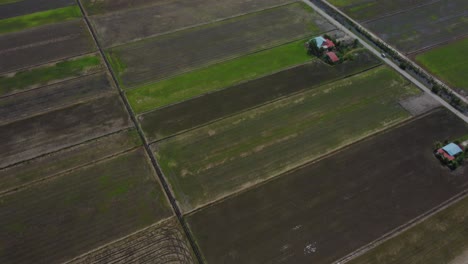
(388,61)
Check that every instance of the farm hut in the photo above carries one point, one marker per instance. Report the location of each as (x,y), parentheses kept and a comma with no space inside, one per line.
(319,41)
(328,44)
(450,151)
(331,56)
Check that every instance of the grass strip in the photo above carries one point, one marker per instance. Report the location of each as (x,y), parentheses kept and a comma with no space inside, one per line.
(40,18)
(448,62)
(44,75)
(217,76)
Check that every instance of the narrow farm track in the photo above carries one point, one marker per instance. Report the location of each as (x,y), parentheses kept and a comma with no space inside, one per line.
(386,60)
(154,163)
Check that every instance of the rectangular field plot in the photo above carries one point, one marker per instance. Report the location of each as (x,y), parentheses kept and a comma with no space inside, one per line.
(207,108)
(325,210)
(49,74)
(208,163)
(425,26)
(15,8)
(442,238)
(59,219)
(29,138)
(94,7)
(67,159)
(449,62)
(161,243)
(161,57)
(167,16)
(53,97)
(363,10)
(44,44)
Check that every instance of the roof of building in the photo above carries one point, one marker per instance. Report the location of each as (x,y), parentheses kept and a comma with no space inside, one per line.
(319,41)
(332,56)
(443,153)
(452,149)
(329,43)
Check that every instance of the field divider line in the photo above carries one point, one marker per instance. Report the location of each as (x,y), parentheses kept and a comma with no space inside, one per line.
(386,60)
(188,28)
(441,43)
(60,107)
(66,172)
(155,224)
(103,70)
(368,136)
(284,97)
(399,12)
(276,44)
(403,228)
(160,178)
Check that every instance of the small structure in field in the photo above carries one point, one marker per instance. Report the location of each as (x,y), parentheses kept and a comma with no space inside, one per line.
(332,57)
(451,155)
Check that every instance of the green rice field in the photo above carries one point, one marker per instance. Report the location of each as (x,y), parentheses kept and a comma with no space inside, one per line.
(213,161)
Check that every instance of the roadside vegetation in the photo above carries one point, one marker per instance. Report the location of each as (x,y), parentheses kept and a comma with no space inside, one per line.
(217,76)
(44,75)
(38,19)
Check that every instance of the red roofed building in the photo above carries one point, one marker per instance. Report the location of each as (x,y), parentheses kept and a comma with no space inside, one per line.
(328,44)
(445,154)
(332,57)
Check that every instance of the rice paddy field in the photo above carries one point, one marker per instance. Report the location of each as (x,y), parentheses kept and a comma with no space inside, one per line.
(202,131)
(432,32)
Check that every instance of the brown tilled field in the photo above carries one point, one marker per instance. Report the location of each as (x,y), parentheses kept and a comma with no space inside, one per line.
(168,55)
(166,16)
(161,243)
(58,219)
(29,138)
(44,44)
(325,210)
(201,110)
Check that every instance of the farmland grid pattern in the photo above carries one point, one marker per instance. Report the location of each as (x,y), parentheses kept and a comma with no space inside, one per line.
(143,138)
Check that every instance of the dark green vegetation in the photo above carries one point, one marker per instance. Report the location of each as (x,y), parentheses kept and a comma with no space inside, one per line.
(159,17)
(48,74)
(67,159)
(161,243)
(168,55)
(425,26)
(448,62)
(442,238)
(40,18)
(197,82)
(201,110)
(13,8)
(44,44)
(49,132)
(218,159)
(58,219)
(325,210)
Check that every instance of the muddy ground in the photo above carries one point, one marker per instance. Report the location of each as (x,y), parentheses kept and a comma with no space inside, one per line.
(207,108)
(168,55)
(55,130)
(123,27)
(67,159)
(103,6)
(425,26)
(64,217)
(24,7)
(44,44)
(53,97)
(161,243)
(323,211)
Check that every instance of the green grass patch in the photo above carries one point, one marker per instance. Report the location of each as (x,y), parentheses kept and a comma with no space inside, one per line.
(343,3)
(438,239)
(40,18)
(43,75)
(206,163)
(214,77)
(448,62)
(6,2)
